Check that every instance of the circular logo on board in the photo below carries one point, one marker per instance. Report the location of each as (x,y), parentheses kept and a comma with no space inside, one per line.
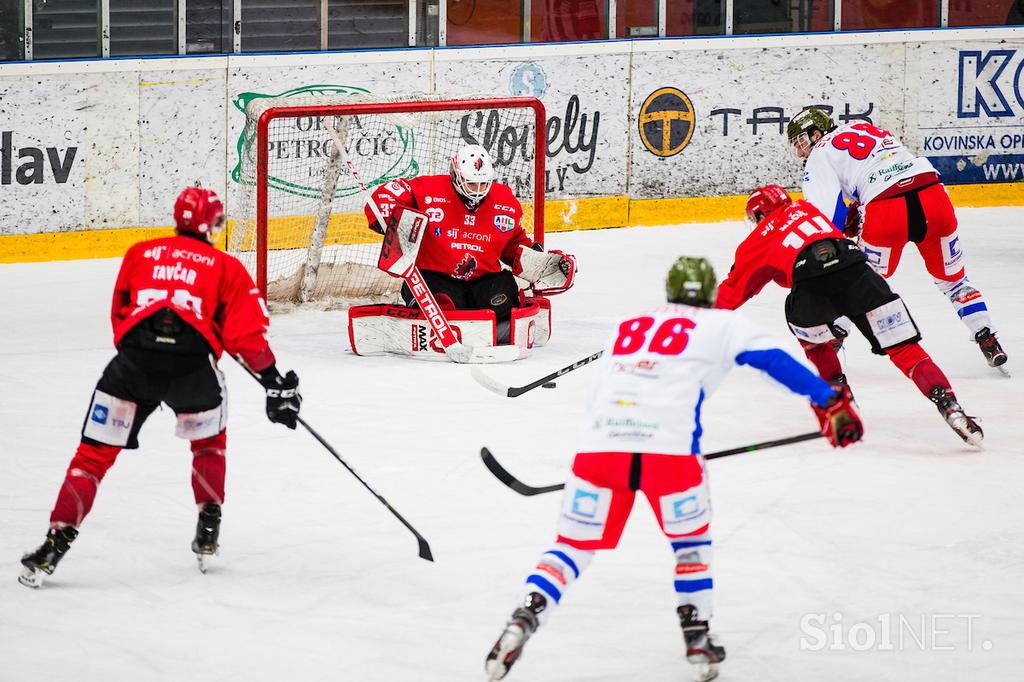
(528,79)
(666,122)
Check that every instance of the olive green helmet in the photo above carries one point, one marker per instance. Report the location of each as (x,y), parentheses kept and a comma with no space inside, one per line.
(691,281)
(808,120)
(803,124)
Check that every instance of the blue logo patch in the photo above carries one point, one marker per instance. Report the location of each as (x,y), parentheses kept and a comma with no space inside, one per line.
(437,231)
(585,503)
(100,414)
(504,223)
(528,79)
(686,508)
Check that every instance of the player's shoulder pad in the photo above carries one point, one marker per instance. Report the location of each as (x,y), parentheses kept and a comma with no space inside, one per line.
(504,199)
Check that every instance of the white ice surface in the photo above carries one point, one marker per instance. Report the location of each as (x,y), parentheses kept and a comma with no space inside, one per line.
(316,581)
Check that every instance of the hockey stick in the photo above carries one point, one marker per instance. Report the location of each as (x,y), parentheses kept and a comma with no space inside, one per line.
(453,348)
(515,391)
(424,548)
(511,481)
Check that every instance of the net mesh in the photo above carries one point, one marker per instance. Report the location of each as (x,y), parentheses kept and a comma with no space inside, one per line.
(319,248)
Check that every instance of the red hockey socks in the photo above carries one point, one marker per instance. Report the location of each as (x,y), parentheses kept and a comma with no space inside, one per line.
(87,469)
(823,356)
(208,467)
(918,366)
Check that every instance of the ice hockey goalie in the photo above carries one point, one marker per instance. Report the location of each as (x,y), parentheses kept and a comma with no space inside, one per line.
(463,232)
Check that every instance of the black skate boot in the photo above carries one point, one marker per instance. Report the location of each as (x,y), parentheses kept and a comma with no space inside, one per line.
(990,348)
(509,646)
(951,411)
(701,647)
(207,530)
(45,559)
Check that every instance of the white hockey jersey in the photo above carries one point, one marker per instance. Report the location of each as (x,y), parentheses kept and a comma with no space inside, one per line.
(856,161)
(660,367)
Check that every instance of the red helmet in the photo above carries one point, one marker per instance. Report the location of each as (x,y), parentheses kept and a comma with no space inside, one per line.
(763,200)
(199,211)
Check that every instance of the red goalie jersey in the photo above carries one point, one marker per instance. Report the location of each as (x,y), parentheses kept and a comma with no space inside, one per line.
(769,252)
(208,289)
(460,243)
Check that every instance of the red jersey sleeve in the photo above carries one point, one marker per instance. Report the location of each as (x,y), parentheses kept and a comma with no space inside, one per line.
(242,317)
(750,272)
(394,193)
(122,304)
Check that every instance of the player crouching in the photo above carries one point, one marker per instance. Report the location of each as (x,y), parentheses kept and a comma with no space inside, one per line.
(460,236)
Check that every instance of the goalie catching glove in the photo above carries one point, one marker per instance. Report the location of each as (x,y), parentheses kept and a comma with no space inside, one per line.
(840,423)
(283,397)
(548,273)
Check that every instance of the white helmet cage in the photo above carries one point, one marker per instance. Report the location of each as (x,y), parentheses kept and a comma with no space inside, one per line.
(472,173)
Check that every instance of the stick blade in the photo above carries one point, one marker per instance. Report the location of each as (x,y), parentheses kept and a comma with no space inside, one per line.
(511,481)
(490,383)
(425,552)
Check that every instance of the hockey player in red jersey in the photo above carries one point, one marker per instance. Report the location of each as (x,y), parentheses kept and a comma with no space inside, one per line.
(642,433)
(178,304)
(474,227)
(795,245)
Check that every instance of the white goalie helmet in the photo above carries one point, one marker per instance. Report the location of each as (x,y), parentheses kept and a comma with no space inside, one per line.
(472,173)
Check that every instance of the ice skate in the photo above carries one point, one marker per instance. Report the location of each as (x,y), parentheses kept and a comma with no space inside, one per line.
(994,354)
(42,562)
(509,646)
(207,530)
(701,647)
(951,411)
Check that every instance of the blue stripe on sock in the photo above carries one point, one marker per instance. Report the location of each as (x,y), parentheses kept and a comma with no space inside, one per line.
(548,588)
(971,309)
(689,586)
(565,560)
(684,544)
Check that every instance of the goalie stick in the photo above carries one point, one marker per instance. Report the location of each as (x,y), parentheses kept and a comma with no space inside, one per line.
(491,384)
(453,348)
(502,474)
(424,547)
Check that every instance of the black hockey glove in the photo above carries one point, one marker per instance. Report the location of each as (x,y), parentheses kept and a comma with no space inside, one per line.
(283,397)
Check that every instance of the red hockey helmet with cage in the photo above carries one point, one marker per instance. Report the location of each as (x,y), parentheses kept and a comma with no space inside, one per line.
(199,211)
(763,200)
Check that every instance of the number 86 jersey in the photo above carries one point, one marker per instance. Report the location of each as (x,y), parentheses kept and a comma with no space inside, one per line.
(659,369)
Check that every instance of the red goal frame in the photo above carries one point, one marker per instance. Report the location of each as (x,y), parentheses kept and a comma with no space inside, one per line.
(263,152)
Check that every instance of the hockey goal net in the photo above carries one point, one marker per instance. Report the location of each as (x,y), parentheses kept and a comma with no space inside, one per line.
(301,230)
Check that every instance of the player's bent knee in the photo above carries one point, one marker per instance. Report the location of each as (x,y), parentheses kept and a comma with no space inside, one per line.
(194,426)
(891,325)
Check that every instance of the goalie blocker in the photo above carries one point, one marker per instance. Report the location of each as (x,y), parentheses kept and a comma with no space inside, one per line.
(398,330)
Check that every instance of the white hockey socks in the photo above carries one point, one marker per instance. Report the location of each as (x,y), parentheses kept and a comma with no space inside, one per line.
(968,303)
(557,570)
(693,572)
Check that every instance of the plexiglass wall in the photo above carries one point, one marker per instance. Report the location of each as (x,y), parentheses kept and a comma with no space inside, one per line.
(66,29)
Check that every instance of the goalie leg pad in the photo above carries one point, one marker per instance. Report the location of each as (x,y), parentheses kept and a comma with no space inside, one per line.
(394,330)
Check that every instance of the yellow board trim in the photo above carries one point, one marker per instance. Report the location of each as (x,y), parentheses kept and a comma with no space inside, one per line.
(560,216)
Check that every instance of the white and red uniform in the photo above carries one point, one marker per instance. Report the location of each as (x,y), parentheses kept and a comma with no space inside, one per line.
(903,200)
(459,242)
(642,432)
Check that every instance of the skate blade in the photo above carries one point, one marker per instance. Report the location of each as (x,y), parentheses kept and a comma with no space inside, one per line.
(496,665)
(31,577)
(706,672)
(204,561)
(1004,370)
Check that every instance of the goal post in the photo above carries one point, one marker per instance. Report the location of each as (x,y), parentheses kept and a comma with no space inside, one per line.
(300,228)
